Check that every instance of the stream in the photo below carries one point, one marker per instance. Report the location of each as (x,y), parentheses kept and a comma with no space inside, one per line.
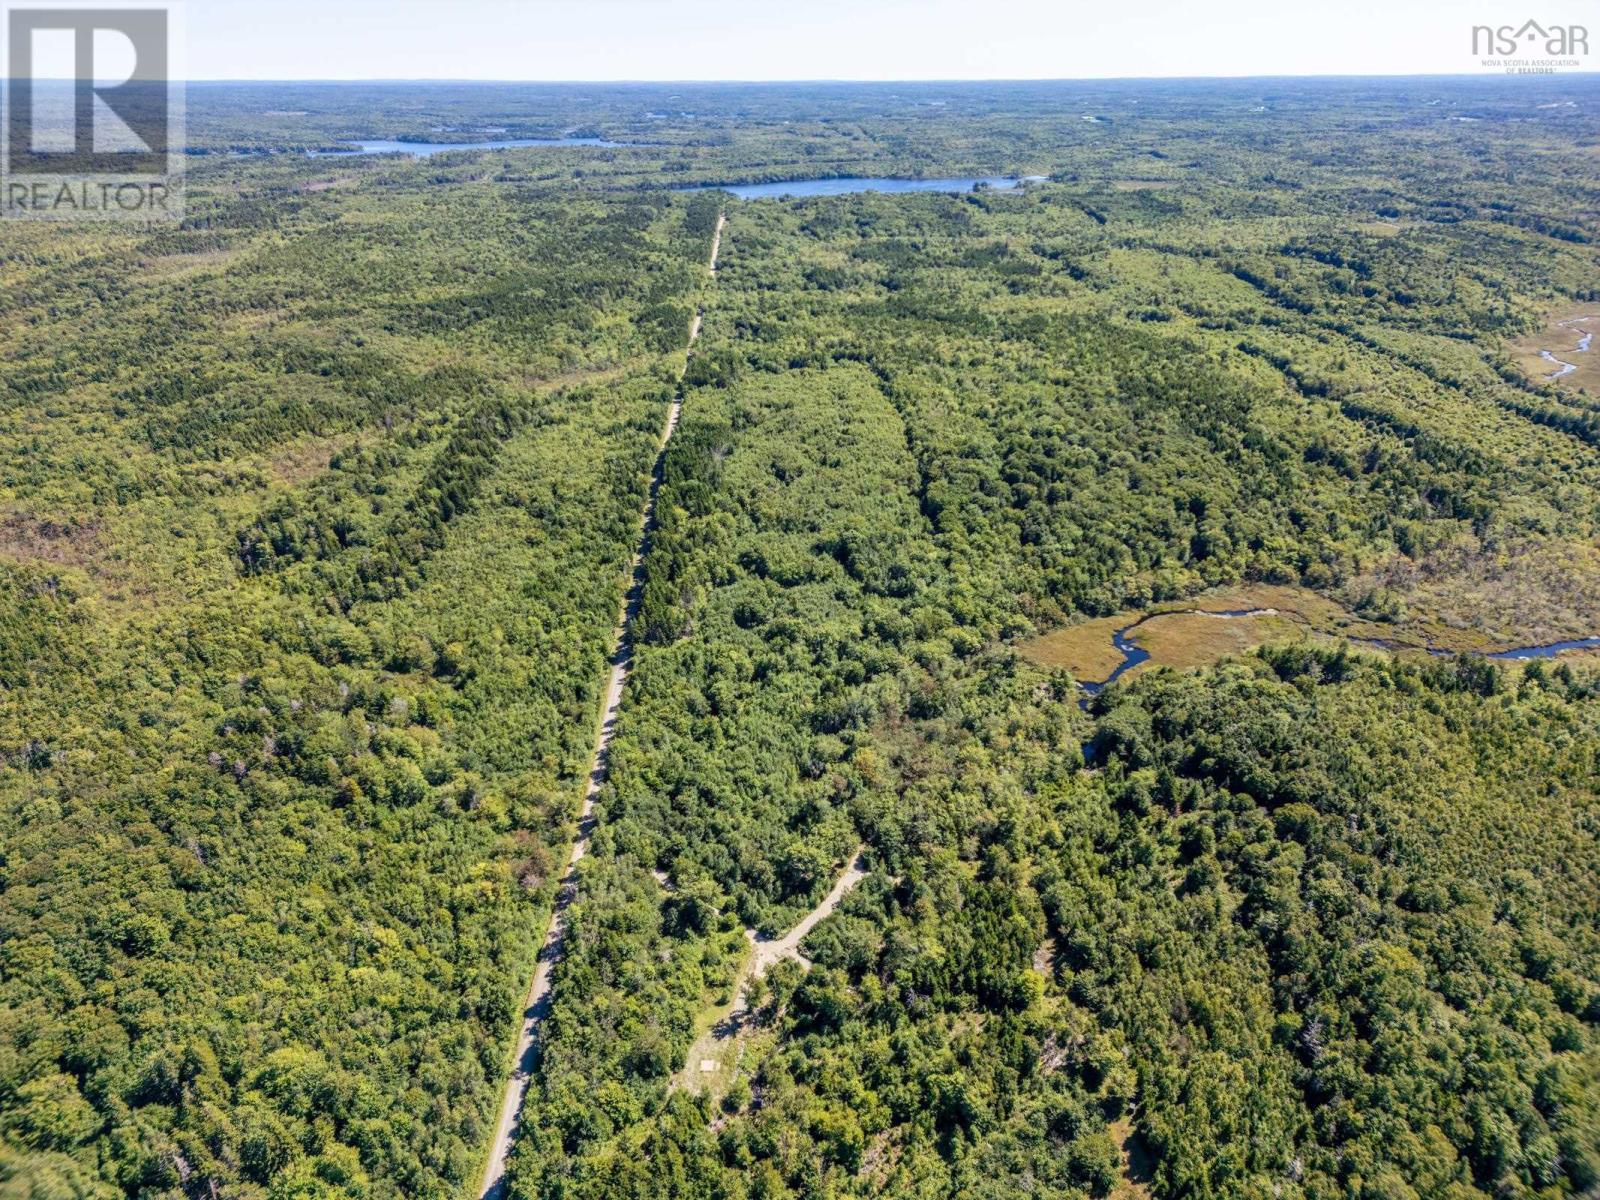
(1133,654)
(1517,654)
(1581,348)
(1549,651)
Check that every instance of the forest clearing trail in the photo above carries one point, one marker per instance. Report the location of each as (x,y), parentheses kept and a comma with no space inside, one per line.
(712,1045)
(538,1003)
(770,951)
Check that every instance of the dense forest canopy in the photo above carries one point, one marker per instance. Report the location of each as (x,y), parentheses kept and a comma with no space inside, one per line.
(315,514)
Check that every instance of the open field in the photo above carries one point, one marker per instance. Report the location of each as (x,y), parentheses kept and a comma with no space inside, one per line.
(1185,640)
(1134,1183)
(724,1037)
(1084,650)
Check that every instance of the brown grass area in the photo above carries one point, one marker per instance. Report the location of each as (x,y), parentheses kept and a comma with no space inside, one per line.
(27,538)
(1136,1163)
(301,461)
(168,265)
(127,563)
(1469,597)
(1084,650)
(579,375)
(118,576)
(1462,599)
(1559,335)
(1142,185)
(252,320)
(1184,640)
(1315,609)
(1181,634)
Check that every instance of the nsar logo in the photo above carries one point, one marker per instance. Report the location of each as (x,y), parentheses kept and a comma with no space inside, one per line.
(1543,49)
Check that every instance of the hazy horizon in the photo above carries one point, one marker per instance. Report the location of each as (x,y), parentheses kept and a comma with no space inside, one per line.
(700,41)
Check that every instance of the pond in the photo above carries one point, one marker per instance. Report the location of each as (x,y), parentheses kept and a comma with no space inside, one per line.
(850,184)
(428,149)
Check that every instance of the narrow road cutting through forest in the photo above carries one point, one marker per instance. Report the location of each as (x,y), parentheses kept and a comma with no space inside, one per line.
(521,1076)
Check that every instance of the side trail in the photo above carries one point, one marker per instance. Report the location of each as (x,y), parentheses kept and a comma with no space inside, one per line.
(516,1091)
(711,1048)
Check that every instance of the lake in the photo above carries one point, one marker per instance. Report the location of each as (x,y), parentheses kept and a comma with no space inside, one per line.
(428,149)
(845,186)
(1550,650)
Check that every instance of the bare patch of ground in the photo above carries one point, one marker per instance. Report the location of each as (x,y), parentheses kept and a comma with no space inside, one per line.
(880,1158)
(1044,958)
(28,538)
(301,461)
(1136,1163)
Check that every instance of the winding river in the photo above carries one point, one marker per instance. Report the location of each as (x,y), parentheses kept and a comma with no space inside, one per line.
(1133,654)
(1582,347)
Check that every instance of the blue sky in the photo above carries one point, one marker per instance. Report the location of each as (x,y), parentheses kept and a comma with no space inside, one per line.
(841,39)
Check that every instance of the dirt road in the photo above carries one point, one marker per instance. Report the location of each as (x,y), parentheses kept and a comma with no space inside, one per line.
(715,1053)
(769,951)
(621,660)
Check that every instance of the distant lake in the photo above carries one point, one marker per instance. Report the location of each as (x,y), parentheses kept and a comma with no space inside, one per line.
(428,149)
(841,187)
